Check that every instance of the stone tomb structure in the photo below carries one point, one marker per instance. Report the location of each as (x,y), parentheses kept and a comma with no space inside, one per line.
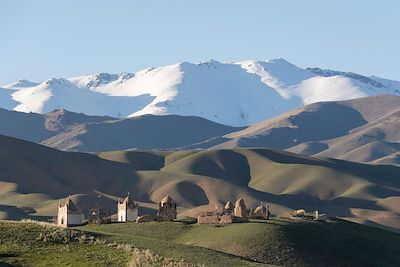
(228,208)
(261,212)
(240,209)
(69,215)
(166,212)
(301,214)
(99,216)
(322,217)
(230,214)
(167,209)
(127,210)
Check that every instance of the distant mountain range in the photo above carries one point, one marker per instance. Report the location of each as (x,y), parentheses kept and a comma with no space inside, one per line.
(236,93)
(365,130)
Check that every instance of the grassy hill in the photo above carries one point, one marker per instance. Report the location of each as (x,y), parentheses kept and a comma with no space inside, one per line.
(19,247)
(34,179)
(276,242)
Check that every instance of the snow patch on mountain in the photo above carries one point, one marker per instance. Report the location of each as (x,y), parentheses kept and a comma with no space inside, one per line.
(307,86)
(333,88)
(277,73)
(392,85)
(20,84)
(157,82)
(101,79)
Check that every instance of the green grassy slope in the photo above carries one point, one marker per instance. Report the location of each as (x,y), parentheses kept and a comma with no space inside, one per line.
(19,247)
(160,238)
(277,242)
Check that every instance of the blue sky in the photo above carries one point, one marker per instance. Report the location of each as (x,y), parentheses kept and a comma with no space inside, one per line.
(44,39)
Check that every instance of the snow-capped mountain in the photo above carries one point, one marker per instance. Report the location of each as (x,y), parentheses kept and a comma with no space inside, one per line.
(21,84)
(232,93)
(61,93)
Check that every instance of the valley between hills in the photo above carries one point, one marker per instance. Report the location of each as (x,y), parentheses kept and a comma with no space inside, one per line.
(34,179)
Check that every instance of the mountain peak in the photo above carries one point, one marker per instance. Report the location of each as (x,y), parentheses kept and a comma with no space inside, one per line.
(58,83)
(101,79)
(23,83)
(281,61)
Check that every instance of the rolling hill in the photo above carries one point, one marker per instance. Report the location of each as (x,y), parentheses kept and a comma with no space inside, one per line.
(277,242)
(363,130)
(234,93)
(71,131)
(35,178)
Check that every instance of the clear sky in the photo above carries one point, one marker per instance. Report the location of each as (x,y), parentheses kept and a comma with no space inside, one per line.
(45,39)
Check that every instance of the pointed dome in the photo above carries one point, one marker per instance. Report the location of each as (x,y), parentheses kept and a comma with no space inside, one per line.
(167,199)
(70,205)
(239,202)
(260,209)
(128,201)
(228,205)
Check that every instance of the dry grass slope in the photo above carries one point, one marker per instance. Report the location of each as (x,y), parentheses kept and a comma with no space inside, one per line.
(36,178)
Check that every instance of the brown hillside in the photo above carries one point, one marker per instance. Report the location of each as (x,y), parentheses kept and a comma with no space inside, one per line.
(37,177)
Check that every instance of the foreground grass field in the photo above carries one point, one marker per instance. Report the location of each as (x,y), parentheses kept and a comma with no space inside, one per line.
(277,242)
(19,247)
(163,239)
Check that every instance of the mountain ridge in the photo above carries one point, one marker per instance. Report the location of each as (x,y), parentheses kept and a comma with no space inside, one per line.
(235,93)
(361,130)
(71,131)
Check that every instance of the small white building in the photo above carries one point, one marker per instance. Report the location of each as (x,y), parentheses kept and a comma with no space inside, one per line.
(69,215)
(127,210)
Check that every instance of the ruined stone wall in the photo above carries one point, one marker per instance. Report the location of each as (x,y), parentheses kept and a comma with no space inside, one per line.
(146,218)
(212,219)
(132,214)
(74,219)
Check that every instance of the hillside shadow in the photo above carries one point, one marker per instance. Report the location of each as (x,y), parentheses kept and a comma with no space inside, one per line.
(227,165)
(5,255)
(336,207)
(342,243)
(19,213)
(145,161)
(188,190)
(320,121)
(384,175)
